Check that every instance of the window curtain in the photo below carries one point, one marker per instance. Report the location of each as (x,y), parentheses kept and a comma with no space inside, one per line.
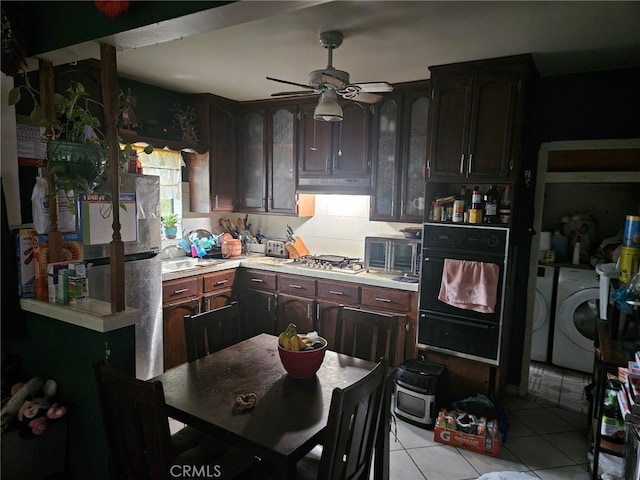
(167,165)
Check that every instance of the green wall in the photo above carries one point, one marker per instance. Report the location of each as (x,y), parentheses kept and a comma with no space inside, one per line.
(63,352)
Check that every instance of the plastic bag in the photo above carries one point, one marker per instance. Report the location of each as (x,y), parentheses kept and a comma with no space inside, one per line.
(609,466)
(40,206)
(481,406)
(40,209)
(628,291)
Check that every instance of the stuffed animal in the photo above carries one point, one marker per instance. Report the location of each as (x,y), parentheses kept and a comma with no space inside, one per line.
(30,405)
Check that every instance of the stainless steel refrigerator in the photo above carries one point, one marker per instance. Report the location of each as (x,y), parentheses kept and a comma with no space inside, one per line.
(141,234)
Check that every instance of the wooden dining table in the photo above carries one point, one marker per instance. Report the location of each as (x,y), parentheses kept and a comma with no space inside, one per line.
(290,415)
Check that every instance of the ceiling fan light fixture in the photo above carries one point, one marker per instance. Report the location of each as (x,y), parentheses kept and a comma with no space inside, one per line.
(328,109)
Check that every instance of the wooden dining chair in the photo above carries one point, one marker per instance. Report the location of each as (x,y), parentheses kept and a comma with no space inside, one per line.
(136,425)
(354,419)
(367,334)
(211,331)
(347,451)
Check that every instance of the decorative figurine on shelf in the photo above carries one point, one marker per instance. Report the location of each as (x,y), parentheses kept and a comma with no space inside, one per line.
(127,119)
(185,121)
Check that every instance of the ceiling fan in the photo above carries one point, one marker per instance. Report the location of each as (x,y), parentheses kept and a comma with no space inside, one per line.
(331,82)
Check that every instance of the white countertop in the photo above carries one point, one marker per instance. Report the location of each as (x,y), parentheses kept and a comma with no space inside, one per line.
(96,315)
(92,314)
(281,265)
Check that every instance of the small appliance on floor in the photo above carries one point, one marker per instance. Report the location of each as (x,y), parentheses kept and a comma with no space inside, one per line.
(417,391)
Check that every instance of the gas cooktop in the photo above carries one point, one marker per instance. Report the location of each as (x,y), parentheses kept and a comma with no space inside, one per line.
(330,262)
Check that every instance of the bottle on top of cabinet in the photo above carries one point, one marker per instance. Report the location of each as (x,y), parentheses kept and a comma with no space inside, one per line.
(475,212)
(491,205)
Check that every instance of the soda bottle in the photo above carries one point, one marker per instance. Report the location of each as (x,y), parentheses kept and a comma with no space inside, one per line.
(491,205)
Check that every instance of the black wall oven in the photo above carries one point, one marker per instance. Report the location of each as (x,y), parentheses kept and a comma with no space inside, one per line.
(450,329)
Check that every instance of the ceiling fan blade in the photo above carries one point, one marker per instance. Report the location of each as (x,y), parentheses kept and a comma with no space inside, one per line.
(366,97)
(298,92)
(331,80)
(291,83)
(374,87)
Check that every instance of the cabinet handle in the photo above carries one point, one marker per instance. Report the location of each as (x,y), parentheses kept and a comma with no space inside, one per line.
(309,310)
(181,290)
(191,300)
(215,201)
(335,292)
(208,304)
(295,286)
(268,304)
(470,161)
(385,300)
(221,282)
(257,280)
(462,164)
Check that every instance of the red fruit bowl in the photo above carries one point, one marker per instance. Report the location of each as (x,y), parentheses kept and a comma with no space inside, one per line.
(302,364)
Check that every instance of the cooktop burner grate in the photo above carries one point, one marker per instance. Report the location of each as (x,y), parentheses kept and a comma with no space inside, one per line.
(330,262)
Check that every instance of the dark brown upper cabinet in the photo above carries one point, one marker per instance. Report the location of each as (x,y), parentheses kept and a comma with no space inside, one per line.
(215,189)
(399,142)
(333,156)
(267,158)
(476,117)
(252,160)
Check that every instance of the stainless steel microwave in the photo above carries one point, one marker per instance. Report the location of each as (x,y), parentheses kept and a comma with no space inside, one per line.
(392,254)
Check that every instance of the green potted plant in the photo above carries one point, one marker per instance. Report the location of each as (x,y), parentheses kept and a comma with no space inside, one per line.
(77,152)
(170,224)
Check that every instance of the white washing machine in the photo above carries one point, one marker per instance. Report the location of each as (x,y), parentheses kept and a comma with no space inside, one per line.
(577,313)
(542,314)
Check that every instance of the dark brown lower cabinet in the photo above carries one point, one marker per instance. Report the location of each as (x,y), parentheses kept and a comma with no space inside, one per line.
(175,348)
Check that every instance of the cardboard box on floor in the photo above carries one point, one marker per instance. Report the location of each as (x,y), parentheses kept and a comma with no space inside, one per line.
(462,430)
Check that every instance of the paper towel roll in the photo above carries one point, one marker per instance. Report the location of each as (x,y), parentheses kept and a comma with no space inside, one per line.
(545,241)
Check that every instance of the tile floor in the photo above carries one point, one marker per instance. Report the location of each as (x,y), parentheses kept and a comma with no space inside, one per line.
(546,437)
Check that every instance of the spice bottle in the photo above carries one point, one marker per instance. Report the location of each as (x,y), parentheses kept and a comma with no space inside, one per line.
(465,196)
(491,205)
(437,211)
(475,212)
(458,211)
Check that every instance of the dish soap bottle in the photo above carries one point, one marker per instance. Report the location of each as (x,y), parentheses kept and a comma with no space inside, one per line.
(560,244)
(576,251)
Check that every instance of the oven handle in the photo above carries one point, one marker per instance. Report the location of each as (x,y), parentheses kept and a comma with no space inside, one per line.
(497,259)
(467,323)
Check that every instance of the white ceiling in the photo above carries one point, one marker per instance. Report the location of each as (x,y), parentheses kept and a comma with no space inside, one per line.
(393,41)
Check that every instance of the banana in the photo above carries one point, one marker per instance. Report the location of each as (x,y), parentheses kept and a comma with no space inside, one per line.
(284,335)
(285,339)
(281,338)
(303,345)
(286,343)
(295,345)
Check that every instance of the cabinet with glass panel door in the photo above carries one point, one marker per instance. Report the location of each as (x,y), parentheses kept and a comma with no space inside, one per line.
(267,147)
(399,145)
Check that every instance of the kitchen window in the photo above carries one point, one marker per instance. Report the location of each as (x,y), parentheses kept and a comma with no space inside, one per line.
(166,164)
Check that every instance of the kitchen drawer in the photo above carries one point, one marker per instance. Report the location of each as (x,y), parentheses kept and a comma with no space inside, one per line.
(181,288)
(298,285)
(218,280)
(259,279)
(386,299)
(339,292)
